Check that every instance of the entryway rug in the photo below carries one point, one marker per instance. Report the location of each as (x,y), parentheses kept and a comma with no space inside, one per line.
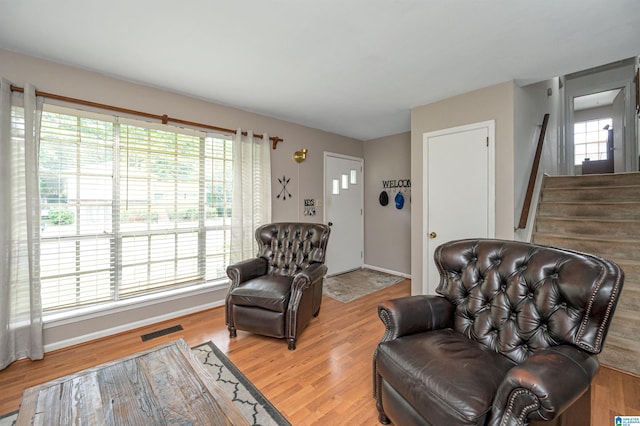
(251,402)
(355,284)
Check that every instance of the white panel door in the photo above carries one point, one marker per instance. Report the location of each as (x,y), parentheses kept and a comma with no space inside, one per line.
(459,178)
(343,211)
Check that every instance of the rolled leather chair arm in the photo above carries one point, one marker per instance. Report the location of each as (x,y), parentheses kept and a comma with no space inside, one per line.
(246,270)
(305,278)
(415,314)
(532,390)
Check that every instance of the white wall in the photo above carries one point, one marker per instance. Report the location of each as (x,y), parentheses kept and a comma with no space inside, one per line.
(618,118)
(530,104)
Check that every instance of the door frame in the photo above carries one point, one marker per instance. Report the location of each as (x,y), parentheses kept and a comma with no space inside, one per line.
(491,190)
(325,189)
(595,81)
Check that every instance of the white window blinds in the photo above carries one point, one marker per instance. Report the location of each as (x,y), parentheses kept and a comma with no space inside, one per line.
(129,208)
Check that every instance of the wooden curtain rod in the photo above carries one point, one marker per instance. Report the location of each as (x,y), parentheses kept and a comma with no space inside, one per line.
(163,118)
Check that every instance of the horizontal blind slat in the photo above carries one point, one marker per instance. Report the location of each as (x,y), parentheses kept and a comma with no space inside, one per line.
(155,242)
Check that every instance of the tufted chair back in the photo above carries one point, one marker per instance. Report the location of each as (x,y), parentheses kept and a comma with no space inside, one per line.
(291,247)
(518,299)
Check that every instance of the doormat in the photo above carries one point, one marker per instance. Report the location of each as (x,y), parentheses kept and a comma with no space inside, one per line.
(355,284)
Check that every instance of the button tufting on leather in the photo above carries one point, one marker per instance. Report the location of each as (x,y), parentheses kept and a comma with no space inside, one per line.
(529,306)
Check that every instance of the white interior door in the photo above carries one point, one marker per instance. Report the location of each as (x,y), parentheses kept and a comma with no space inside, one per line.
(343,211)
(459,178)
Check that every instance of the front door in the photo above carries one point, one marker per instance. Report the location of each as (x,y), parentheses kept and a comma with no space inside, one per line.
(343,211)
(459,177)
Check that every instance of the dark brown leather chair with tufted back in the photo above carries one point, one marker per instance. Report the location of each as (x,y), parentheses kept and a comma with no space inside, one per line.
(277,293)
(511,339)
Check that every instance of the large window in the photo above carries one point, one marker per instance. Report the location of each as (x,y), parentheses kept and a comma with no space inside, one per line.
(129,208)
(590,140)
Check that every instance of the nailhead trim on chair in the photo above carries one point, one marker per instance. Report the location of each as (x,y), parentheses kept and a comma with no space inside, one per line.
(525,411)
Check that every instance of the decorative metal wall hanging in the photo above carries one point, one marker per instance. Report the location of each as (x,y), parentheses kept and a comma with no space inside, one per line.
(284,193)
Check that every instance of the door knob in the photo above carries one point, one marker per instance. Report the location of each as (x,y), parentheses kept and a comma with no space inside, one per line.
(432,235)
(330,223)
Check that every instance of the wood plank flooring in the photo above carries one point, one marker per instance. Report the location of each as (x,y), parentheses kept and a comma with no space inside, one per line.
(163,385)
(326,380)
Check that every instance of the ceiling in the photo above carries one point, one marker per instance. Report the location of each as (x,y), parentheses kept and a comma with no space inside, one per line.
(351,67)
(595,100)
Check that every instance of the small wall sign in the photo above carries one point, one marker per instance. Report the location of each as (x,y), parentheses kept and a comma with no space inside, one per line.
(309,207)
(396,183)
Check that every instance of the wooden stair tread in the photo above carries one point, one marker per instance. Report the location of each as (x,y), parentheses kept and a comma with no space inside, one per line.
(587,238)
(616,179)
(588,219)
(590,188)
(591,203)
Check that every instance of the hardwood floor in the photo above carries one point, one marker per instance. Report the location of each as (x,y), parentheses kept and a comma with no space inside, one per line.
(326,380)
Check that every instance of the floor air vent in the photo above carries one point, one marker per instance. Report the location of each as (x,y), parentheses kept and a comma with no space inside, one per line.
(159,333)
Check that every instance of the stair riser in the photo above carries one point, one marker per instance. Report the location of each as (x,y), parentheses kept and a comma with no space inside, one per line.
(612,251)
(578,210)
(619,352)
(630,297)
(630,193)
(608,225)
(592,180)
(631,271)
(622,229)
(625,324)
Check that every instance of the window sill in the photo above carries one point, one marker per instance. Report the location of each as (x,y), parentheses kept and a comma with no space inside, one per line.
(89,312)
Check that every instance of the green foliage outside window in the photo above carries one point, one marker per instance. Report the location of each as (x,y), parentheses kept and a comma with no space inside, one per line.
(61,216)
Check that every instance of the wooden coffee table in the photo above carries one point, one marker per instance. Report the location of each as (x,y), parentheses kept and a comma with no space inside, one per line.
(162,385)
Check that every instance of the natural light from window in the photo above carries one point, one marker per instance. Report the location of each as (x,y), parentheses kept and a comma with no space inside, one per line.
(129,208)
(590,140)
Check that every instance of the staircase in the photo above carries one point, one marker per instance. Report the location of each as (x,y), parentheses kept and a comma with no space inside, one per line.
(600,214)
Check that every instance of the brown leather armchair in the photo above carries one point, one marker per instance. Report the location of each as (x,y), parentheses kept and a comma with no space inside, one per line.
(277,293)
(510,339)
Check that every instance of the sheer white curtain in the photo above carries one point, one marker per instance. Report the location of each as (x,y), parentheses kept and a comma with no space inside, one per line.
(251,206)
(20,305)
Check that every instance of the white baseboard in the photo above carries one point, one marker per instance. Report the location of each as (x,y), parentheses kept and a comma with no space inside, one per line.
(130,326)
(387,271)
